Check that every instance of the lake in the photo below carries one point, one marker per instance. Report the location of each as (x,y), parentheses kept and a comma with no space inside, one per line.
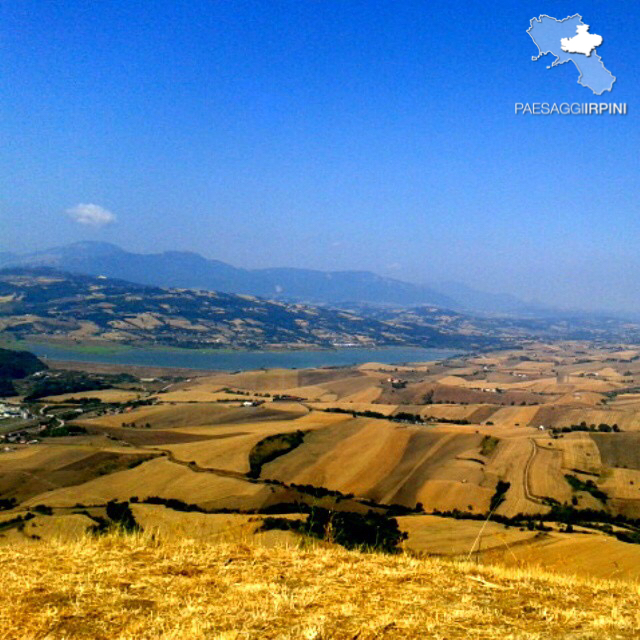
(241,360)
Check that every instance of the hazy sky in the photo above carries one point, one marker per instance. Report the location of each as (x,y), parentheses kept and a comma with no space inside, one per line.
(331,134)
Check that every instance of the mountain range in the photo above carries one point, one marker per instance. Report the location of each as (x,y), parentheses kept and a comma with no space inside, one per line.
(181,269)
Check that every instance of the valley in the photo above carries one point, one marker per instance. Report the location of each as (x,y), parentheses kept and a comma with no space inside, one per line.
(542,439)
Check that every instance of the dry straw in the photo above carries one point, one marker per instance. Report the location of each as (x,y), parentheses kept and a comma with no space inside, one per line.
(144,586)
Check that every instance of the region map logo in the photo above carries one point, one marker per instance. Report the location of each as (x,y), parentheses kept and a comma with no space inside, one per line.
(571,40)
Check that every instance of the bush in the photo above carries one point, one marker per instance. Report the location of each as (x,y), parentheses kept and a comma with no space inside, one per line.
(7,503)
(488,445)
(18,522)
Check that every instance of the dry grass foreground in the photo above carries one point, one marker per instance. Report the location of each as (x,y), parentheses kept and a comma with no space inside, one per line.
(140,587)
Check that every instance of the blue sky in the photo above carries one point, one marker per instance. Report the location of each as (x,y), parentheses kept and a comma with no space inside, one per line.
(330,134)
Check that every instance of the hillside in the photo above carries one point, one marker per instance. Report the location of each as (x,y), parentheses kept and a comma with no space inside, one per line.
(19,364)
(543,325)
(144,587)
(46,304)
(16,365)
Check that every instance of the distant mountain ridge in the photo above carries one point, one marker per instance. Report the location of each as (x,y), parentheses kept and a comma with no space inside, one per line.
(181,269)
(40,302)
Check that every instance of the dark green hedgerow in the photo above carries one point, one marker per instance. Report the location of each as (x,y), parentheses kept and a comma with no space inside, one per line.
(271,448)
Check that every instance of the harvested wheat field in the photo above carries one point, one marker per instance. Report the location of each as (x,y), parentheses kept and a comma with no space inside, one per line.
(312,384)
(228,446)
(390,463)
(167,416)
(577,554)
(31,471)
(136,586)
(104,395)
(219,527)
(159,477)
(443,536)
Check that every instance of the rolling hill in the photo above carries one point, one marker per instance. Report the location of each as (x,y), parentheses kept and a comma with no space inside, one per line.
(48,305)
(553,464)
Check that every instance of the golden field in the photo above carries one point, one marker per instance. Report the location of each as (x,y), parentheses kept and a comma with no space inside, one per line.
(139,586)
(196,439)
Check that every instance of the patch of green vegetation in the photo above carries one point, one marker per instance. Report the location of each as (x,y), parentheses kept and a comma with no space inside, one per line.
(7,388)
(320,492)
(71,382)
(172,503)
(589,486)
(488,445)
(17,522)
(369,532)
(60,432)
(273,447)
(7,503)
(70,345)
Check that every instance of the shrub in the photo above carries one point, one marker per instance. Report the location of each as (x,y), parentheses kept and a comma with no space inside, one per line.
(121,515)
(43,510)
(488,445)
(173,503)
(500,495)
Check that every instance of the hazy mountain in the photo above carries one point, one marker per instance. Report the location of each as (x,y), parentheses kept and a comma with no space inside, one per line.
(342,286)
(481,301)
(169,269)
(190,270)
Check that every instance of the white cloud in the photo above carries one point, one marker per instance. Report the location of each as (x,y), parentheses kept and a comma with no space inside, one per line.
(91,214)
